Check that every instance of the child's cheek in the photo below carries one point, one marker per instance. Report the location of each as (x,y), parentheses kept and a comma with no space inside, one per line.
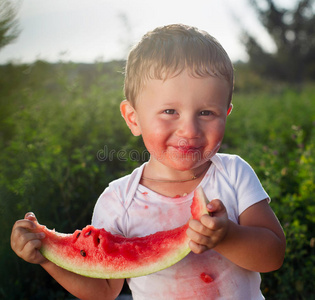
(154,144)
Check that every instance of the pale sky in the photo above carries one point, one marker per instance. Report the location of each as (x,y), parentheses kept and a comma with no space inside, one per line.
(90,30)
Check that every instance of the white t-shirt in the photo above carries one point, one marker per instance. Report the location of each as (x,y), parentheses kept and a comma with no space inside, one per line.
(130,209)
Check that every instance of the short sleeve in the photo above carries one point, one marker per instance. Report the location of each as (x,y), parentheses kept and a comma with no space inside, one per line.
(248,188)
(109,212)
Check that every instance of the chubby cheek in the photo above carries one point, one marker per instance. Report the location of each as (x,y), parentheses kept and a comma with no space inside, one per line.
(155,135)
(214,139)
(217,137)
(154,144)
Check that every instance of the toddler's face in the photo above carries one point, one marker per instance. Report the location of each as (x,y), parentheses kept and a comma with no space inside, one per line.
(182,119)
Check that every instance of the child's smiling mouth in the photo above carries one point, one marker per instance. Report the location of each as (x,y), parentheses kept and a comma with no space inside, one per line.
(187,149)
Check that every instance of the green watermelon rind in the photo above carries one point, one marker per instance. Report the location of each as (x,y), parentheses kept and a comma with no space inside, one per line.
(107,274)
(101,270)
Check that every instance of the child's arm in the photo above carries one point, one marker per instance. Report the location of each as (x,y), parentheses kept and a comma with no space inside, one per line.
(26,243)
(257,243)
(85,287)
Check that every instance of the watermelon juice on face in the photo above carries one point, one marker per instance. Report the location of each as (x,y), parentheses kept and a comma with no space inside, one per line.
(180,123)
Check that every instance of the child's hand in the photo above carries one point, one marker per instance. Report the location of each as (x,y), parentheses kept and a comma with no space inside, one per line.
(210,230)
(25,242)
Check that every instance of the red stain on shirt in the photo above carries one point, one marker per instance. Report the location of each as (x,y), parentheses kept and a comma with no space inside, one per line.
(206,278)
(145,193)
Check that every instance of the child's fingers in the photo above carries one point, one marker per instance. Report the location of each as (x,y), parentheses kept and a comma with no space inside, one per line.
(24,224)
(207,232)
(26,245)
(22,233)
(31,245)
(201,228)
(26,240)
(206,225)
(30,237)
(216,206)
(199,234)
(28,223)
(197,248)
(30,252)
(21,236)
(211,223)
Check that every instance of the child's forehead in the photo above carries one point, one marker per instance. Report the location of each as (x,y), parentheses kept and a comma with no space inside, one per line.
(170,87)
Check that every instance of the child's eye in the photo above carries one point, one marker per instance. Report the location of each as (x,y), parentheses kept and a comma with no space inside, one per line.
(206,113)
(169,111)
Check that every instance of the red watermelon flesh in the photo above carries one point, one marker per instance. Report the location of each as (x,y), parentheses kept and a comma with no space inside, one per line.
(97,253)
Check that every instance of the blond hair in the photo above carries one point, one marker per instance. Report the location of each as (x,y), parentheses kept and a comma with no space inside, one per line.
(166,51)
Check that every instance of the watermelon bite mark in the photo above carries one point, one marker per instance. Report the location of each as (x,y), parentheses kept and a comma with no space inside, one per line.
(97,253)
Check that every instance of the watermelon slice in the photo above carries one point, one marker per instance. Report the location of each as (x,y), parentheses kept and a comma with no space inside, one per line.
(97,253)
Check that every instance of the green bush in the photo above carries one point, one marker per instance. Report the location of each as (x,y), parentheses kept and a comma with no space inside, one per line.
(62,140)
(58,117)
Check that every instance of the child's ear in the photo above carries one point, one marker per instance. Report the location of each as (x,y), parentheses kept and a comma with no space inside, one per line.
(230,109)
(130,115)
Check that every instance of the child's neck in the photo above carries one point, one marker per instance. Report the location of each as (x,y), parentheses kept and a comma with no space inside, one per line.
(174,186)
(172,190)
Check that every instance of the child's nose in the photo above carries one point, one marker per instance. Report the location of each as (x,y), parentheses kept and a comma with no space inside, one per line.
(188,128)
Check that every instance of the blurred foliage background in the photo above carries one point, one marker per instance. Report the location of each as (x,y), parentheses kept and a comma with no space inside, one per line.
(62,140)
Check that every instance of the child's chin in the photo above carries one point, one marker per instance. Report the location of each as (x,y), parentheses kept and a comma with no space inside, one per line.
(184,165)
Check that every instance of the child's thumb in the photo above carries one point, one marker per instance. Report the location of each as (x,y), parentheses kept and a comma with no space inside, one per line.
(215,206)
(30,216)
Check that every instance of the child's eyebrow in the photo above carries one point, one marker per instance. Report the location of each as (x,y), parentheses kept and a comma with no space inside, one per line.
(171,103)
